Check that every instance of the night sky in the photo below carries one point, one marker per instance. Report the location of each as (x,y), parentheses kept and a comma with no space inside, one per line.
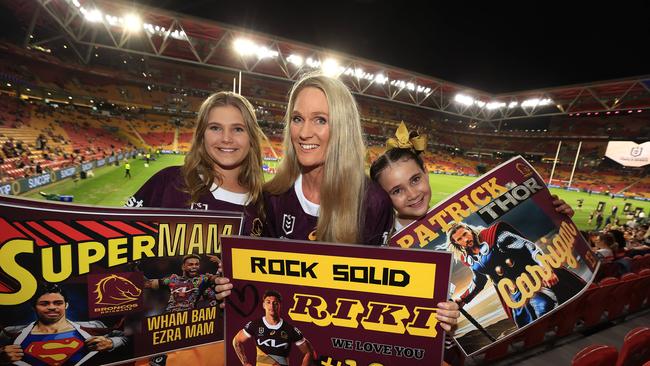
(492,47)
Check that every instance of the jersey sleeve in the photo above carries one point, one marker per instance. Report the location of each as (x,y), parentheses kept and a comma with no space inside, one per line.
(150,193)
(295,336)
(249,329)
(269,227)
(378,216)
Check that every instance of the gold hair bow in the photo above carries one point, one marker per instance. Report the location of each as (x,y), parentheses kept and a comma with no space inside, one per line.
(402,141)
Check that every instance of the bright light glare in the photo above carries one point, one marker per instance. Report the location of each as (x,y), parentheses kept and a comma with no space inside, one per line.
(295,59)
(93,15)
(464,99)
(331,67)
(132,22)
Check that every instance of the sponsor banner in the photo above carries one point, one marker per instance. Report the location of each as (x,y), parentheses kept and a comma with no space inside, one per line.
(120,283)
(516,260)
(87,166)
(336,304)
(629,153)
(27,184)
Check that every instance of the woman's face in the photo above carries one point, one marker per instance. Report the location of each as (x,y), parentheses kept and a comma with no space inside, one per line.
(408,188)
(310,127)
(226,139)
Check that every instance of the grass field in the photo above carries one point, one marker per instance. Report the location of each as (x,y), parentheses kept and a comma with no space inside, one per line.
(109,188)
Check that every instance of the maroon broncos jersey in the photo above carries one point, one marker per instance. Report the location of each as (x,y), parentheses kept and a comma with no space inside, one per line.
(290,215)
(165,190)
(273,342)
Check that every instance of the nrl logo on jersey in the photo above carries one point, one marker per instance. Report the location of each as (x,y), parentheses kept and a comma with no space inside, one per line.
(287,223)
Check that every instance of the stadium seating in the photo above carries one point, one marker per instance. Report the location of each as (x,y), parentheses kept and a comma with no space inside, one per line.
(596,355)
(623,295)
(636,348)
(596,301)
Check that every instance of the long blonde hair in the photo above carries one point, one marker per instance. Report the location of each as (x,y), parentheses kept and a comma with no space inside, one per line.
(344,183)
(198,170)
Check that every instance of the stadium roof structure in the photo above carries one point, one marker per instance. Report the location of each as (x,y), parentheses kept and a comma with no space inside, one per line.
(152,32)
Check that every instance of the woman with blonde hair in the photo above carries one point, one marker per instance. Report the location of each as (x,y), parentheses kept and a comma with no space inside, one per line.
(321,191)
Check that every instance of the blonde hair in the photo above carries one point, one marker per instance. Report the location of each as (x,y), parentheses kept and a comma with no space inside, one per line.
(344,182)
(198,170)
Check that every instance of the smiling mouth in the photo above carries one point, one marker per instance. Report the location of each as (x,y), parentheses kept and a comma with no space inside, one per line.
(226,150)
(309,146)
(416,204)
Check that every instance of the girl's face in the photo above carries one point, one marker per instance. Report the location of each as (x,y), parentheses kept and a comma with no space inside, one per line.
(310,128)
(408,188)
(226,139)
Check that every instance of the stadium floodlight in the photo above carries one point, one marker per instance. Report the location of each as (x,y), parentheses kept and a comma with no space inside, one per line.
(313,63)
(534,102)
(132,22)
(495,105)
(464,99)
(113,20)
(480,103)
(246,47)
(76,3)
(331,67)
(92,16)
(512,104)
(295,59)
(8,84)
(380,79)
(410,86)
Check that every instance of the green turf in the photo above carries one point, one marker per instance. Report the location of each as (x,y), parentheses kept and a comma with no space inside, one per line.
(109,188)
(444,185)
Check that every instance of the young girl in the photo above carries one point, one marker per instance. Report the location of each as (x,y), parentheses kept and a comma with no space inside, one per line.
(401,173)
(222,171)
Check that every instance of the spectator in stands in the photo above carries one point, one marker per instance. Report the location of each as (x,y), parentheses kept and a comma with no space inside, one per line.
(605,246)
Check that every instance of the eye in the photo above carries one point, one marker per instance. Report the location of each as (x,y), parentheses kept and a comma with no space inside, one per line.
(415,180)
(214,128)
(396,191)
(240,129)
(296,119)
(321,120)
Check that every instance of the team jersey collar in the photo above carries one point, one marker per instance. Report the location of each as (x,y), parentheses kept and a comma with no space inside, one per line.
(274,327)
(308,207)
(222,194)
